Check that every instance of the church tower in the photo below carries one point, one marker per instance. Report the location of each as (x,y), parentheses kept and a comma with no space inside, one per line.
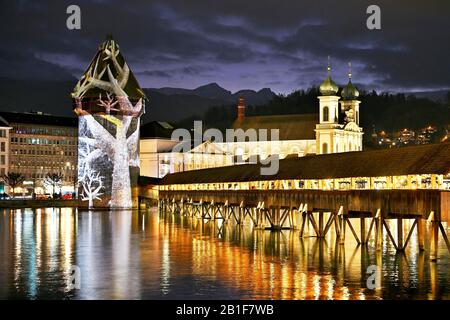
(350,110)
(338,129)
(328,115)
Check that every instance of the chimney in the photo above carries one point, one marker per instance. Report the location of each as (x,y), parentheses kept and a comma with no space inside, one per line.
(241,109)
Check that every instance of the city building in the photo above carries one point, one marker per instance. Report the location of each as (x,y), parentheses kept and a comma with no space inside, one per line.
(405,137)
(296,137)
(42,144)
(4,150)
(160,155)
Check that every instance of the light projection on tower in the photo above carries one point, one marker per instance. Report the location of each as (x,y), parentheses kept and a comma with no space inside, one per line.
(109,103)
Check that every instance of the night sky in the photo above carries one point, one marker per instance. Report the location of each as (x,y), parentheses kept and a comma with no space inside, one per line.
(240,44)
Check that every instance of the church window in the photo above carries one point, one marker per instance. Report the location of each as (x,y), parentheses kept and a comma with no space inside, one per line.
(325,148)
(326,114)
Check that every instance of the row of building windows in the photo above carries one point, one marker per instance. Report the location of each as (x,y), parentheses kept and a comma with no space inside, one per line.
(44,175)
(351,147)
(43,141)
(43,152)
(45,131)
(36,165)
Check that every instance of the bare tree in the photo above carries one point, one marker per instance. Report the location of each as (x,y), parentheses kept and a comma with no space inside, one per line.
(13,180)
(54,180)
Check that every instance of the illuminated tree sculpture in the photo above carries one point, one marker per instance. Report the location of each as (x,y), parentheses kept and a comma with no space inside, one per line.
(92,184)
(109,103)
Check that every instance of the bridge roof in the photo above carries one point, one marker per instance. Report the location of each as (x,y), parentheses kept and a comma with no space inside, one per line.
(424,159)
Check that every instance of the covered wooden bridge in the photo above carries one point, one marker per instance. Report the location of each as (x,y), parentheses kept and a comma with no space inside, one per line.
(325,191)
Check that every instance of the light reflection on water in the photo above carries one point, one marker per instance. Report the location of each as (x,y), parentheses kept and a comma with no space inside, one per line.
(142,255)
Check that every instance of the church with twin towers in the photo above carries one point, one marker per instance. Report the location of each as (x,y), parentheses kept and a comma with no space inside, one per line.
(338,129)
(334,128)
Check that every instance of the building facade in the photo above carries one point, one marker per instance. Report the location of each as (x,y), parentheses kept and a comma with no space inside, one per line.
(4,150)
(161,155)
(258,137)
(42,144)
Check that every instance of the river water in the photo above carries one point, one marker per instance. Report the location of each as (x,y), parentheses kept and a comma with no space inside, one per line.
(148,255)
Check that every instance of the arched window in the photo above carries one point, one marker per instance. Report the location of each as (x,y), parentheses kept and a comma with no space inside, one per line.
(326,114)
(325,148)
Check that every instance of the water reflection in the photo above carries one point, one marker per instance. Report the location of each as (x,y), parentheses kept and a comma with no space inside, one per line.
(143,255)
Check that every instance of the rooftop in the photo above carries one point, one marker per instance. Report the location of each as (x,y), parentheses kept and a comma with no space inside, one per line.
(156,129)
(39,119)
(108,59)
(423,159)
(291,126)
(3,122)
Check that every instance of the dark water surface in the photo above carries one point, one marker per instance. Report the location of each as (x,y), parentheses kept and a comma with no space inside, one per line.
(143,255)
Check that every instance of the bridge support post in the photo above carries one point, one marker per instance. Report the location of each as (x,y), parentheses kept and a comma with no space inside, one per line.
(225,212)
(363,230)
(276,218)
(240,213)
(400,246)
(342,227)
(379,230)
(321,227)
(421,224)
(202,210)
(302,227)
(182,206)
(434,237)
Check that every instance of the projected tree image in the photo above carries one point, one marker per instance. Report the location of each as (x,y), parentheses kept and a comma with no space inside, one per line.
(92,184)
(108,164)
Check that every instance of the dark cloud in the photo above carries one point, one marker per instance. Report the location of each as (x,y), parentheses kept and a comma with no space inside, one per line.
(239,44)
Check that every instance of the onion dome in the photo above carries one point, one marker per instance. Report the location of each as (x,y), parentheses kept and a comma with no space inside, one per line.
(328,87)
(350,92)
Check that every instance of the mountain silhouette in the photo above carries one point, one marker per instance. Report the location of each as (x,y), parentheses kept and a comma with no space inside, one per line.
(165,104)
